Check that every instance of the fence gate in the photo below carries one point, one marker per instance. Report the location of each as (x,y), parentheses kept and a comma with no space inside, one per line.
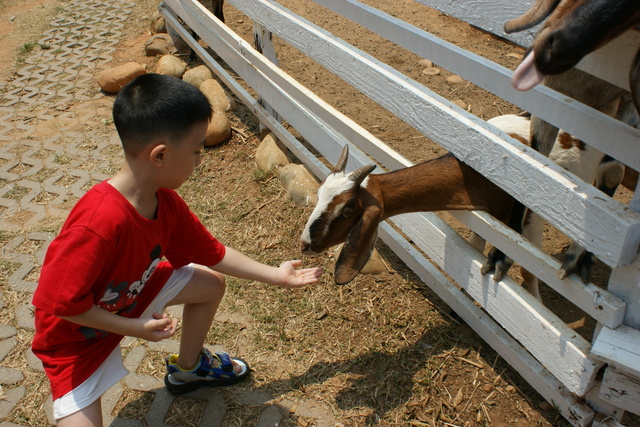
(562,366)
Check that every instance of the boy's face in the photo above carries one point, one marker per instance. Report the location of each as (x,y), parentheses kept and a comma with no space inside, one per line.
(184,156)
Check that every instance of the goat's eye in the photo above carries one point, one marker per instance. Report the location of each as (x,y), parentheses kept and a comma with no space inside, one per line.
(347,212)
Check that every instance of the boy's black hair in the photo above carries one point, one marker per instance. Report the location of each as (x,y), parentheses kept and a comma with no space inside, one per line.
(154,106)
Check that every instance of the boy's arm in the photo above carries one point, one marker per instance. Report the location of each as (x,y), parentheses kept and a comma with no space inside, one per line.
(156,329)
(236,264)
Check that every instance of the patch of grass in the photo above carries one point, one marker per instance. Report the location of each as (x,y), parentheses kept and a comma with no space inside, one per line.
(26,48)
(63,158)
(5,236)
(16,193)
(259,175)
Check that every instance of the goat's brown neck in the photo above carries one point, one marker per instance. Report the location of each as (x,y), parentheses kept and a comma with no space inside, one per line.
(441,184)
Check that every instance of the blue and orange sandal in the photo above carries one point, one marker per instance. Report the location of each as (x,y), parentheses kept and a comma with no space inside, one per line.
(212,370)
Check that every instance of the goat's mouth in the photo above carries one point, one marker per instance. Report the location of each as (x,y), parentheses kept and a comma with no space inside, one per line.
(305,249)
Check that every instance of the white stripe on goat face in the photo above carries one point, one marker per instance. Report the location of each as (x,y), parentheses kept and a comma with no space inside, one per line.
(335,184)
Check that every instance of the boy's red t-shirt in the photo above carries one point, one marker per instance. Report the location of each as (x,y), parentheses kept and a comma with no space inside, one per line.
(108,255)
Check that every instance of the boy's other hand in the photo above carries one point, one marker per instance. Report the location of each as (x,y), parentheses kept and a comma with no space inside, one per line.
(289,277)
(158,328)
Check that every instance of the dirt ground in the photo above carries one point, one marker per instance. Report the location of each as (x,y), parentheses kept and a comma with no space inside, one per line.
(383,350)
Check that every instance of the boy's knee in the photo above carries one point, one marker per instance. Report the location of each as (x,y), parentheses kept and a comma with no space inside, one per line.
(220,280)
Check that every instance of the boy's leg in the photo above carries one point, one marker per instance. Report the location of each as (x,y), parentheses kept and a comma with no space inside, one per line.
(201,297)
(194,365)
(89,416)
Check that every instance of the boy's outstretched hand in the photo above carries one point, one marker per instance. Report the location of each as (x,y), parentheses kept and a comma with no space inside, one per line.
(289,277)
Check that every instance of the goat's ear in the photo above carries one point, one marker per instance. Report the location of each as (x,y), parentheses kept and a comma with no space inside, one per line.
(634,80)
(359,246)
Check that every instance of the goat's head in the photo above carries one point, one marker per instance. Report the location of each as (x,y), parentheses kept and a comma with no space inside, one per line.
(573,29)
(345,212)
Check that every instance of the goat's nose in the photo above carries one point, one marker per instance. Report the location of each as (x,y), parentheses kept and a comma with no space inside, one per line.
(305,248)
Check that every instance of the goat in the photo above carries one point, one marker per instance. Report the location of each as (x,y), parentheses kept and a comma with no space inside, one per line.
(572,29)
(350,206)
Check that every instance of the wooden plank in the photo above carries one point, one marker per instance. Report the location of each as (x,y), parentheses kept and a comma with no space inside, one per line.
(619,347)
(569,405)
(598,303)
(621,390)
(264,45)
(624,282)
(603,408)
(611,63)
(600,131)
(559,348)
(490,15)
(606,227)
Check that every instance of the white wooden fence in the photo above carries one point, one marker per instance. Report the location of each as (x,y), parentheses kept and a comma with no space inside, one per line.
(557,362)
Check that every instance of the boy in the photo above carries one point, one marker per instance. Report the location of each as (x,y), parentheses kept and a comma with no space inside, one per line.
(131,247)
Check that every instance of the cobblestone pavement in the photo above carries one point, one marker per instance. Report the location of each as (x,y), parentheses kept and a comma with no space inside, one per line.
(48,159)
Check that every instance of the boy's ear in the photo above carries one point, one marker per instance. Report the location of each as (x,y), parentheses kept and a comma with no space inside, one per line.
(157,154)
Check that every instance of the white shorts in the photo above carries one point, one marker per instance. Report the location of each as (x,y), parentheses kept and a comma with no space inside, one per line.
(112,370)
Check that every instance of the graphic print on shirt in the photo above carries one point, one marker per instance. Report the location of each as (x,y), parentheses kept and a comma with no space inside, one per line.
(122,297)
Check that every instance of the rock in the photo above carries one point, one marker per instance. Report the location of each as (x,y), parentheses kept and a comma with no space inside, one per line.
(270,155)
(270,416)
(10,376)
(301,186)
(219,129)
(460,103)
(113,79)
(545,406)
(515,55)
(157,24)
(197,75)
(159,44)
(7,331)
(425,63)
(456,80)
(431,71)
(24,317)
(171,66)
(217,96)
(375,265)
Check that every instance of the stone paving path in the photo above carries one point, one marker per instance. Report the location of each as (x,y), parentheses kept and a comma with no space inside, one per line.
(48,159)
